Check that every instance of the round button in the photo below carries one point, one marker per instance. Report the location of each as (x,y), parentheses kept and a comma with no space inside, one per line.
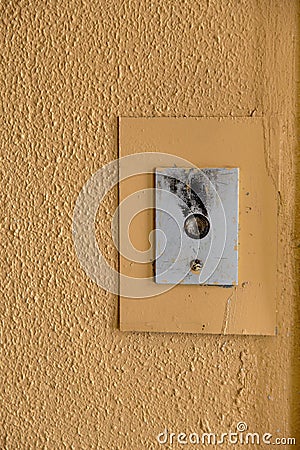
(196,226)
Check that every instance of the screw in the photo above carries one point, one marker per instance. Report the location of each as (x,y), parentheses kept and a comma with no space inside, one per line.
(196,265)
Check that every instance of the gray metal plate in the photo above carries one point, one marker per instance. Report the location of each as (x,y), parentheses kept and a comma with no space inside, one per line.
(188,201)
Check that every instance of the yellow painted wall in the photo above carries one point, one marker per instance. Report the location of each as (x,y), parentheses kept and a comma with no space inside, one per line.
(70,378)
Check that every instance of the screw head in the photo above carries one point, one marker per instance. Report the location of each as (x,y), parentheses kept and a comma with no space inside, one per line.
(196,265)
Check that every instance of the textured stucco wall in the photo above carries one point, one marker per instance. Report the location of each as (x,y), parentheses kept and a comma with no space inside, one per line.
(70,379)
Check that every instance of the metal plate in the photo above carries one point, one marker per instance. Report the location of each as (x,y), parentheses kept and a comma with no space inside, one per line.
(196,239)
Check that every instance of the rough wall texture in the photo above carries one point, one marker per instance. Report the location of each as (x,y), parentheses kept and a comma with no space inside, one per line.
(70,379)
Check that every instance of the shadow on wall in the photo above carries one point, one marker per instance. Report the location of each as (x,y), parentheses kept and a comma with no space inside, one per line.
(295,373)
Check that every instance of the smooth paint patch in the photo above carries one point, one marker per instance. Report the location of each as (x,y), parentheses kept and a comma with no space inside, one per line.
(208,142)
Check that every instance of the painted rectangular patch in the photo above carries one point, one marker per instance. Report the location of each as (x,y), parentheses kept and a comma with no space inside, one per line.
(248,308)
